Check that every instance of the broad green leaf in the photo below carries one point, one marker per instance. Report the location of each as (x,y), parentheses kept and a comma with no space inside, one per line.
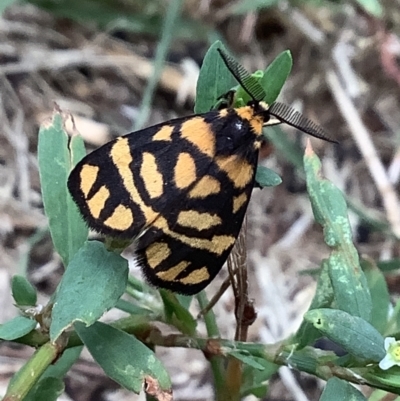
(176,314)
(49,389)
(340,390)
(323,298)
(353,333)
(329,206)
(124,358)
(266,177)
(246,6)
(275,76)
(214,80)
(379,295)
(23,292)
(16,328)
(92,284)
(68,230)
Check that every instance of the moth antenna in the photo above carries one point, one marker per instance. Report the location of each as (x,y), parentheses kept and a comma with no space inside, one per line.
(246,81)
(295,119)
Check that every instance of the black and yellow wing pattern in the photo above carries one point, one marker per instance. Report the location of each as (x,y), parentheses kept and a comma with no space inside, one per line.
(180,189)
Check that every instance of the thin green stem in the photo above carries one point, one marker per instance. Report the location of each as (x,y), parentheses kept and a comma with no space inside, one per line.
(171,19)
(215,361)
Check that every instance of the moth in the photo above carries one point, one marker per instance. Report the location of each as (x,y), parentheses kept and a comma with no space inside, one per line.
(180,189)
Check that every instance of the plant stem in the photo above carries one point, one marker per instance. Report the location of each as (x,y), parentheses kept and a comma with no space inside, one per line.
(31,372)
(215,361)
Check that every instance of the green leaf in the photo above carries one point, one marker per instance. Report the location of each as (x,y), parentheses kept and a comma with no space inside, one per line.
(353,333)
(92,284)
(275,76)
(16,328)
(133,309)
(49,389)
(67,228)
(23,292)
(379,295)
(254,380)
(380,395)
(340,390)
(372,7)
(323,298)
(64,363)
(266,177)
(247,359)
(184,300)
(246,6)
(214,80)
(385,379)
(123,358)
(176,314)
(329,206)
(389,265)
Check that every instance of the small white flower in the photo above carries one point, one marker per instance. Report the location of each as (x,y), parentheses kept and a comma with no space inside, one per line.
(392,356)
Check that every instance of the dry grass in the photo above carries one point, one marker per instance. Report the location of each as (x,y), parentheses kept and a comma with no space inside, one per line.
(345,77)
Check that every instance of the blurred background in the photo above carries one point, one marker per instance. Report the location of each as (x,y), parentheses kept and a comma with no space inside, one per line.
(95,59)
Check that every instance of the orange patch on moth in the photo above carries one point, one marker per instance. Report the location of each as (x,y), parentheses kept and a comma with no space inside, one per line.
(184,171)
(216,244)
(207,185)
(88,176)
(164,133)
(239,201)
(197,220)
(223,113)
(199,133)
(196,276)
(121,156)
(239,171)
(173,272)
(97,201)
(156,253)
(121,219)
(152,178)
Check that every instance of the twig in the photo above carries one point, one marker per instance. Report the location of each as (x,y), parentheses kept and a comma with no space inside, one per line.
(367,149)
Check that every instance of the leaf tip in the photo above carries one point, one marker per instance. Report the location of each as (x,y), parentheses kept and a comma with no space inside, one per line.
(152,387)
(309,152)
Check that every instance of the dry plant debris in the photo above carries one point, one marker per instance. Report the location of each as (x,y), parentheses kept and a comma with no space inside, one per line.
(346,76)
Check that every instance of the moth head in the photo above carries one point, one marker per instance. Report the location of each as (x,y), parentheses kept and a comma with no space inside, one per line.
(276,113)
